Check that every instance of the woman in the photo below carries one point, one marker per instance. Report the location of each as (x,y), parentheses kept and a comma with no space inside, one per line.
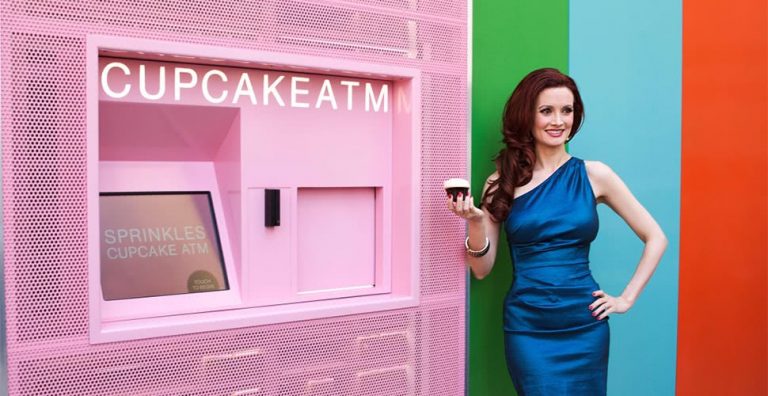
(555,315)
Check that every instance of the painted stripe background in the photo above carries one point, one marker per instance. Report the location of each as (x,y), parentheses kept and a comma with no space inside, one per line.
(626,58)
(724,241)
(509,40)
(677,103)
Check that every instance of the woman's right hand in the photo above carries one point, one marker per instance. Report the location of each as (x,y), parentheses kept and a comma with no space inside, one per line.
(481,229)
(465,208)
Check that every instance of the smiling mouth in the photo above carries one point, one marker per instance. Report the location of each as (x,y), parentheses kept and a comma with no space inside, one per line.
(555,132)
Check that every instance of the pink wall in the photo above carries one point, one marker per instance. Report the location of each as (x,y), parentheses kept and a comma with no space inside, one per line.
(417,350)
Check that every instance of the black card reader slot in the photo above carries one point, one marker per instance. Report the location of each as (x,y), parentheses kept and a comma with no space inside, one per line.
(271,208)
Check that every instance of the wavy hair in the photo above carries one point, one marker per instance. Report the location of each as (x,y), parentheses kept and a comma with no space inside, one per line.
(516,160)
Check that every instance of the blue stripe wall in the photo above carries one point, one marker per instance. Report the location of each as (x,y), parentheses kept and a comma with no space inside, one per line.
(626,58)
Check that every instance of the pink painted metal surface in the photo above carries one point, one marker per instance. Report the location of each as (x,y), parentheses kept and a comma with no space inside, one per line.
(145,132)
(326,215)
(411,351)
(303,140)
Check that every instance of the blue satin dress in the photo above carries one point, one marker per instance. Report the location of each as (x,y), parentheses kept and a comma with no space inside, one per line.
(554,346)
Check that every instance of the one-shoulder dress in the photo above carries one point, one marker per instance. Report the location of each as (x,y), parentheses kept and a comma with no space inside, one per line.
(553,344)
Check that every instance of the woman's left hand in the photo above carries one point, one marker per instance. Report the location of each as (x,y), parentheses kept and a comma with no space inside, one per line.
(607,304)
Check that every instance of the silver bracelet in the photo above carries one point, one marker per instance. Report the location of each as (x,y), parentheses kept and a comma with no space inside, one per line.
(477,253)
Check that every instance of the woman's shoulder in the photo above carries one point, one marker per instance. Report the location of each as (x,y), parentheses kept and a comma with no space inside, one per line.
(490,179)
(602,178)
(598,170)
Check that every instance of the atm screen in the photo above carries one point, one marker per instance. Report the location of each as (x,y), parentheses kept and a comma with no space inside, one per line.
(158,244)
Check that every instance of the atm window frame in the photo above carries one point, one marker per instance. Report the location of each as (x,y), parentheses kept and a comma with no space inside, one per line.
(235,312)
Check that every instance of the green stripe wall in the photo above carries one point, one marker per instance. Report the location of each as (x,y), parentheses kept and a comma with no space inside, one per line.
(509,38)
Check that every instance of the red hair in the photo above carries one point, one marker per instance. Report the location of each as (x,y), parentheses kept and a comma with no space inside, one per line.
(516,160)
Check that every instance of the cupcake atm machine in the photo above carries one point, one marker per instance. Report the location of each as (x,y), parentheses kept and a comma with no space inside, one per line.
(237,189)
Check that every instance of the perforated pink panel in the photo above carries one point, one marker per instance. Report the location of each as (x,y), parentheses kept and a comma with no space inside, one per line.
(417,351)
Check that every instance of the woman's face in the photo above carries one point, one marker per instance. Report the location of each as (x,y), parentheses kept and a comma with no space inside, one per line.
(554,116)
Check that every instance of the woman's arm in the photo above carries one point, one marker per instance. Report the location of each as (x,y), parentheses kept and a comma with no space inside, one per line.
(479,226)
(611,190)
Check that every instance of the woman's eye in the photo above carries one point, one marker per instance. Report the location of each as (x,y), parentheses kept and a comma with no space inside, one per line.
(567,110)
(545,111)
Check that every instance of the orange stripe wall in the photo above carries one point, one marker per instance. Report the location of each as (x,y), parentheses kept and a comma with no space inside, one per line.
(722,339)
